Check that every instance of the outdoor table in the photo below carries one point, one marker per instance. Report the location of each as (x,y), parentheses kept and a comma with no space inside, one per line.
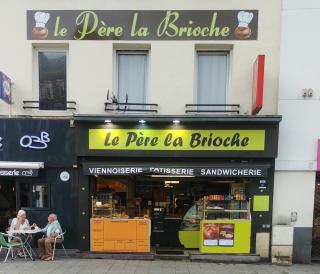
(26,241)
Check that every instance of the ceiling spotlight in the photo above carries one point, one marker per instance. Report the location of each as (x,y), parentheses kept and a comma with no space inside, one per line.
(107,121)
(176,121)
(142,121)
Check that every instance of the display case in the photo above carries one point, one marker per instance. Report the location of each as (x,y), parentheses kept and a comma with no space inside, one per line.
(102,205)
(223,211)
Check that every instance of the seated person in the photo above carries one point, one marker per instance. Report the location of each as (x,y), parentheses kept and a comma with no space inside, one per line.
(20,222)
(52,230)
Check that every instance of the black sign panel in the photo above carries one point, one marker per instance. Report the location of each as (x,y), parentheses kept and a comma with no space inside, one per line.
(37,140)
(18,172)
(227,171)
(142,25)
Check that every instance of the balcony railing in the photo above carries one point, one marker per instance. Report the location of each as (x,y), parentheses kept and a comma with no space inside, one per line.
(130,107)
(213,108)
(49,105)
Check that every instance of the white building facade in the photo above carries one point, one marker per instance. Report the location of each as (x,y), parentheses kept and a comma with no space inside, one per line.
(299,105)
(141,62)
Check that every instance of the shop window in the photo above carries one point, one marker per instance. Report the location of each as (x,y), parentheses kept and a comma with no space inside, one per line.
(34,195)
(132,76)
(52,66)
(212,76)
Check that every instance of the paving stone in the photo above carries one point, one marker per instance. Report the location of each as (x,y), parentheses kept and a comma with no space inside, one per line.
(102,266)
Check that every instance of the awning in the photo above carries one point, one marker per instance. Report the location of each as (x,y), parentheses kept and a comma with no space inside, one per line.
(20,169)
(176,169)
(204,119)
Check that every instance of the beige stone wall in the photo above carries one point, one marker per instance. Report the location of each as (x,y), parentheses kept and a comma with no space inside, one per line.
(172,63)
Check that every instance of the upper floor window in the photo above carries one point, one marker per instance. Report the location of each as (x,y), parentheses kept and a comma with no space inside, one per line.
(212,77)
(132,76)
(52,67)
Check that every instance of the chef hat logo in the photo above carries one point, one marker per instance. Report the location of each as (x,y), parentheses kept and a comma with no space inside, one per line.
(244,18)
(41,19)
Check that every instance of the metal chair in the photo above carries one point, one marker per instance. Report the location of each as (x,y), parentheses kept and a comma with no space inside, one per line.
(60,235)
(11,245)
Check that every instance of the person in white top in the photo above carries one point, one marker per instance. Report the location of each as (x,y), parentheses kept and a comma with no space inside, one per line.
(20,222)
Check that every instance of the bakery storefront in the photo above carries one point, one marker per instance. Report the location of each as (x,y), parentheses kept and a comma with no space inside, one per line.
(204,184)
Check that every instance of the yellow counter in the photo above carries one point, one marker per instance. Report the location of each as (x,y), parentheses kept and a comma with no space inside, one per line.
(189,238)
(225,236)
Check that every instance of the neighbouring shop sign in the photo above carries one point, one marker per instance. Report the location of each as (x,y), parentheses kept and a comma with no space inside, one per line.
(176,140)
(142,25)
(5,88)
(101,169)
(17,172)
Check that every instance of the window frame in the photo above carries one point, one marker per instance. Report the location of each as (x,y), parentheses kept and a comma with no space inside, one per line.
(36,78)
(116,70)
(213,52)
(32,184)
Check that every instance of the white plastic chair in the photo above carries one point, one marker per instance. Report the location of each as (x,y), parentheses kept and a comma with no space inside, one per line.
(60,235)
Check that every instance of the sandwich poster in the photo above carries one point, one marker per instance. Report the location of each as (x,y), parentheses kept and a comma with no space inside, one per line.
(218,234)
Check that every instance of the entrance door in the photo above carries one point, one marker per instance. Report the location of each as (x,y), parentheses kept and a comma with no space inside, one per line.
(316,221)
(7,202)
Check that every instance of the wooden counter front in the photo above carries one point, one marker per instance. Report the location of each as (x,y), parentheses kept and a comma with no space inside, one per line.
(120,235)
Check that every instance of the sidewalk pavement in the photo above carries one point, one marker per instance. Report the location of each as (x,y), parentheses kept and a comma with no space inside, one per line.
(94,266)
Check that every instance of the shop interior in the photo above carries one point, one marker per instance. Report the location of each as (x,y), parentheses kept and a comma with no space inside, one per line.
(173,204)
(7,202)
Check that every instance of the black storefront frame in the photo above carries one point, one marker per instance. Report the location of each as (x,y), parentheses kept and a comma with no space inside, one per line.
(269,123)
(58,156)
(258,219)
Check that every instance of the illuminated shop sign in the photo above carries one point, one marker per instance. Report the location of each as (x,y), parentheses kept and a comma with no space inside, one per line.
(17,172)
(142,25)
(176,140)
(233,171)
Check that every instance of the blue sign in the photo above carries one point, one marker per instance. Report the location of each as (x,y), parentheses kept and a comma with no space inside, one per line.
(5,88)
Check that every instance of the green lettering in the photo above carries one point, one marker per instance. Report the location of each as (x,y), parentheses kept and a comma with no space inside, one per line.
(167,26)
(83,20)
(59,31)
(225,31)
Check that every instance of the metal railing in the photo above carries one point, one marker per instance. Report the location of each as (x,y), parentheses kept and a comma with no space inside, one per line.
(49,105)
(213,108)
(130,107)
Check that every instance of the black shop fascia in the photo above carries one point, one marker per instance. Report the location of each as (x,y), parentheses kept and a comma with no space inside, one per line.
(199,149)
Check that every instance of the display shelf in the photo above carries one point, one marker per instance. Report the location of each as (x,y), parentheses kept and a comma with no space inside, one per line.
(102,204)
(205,210)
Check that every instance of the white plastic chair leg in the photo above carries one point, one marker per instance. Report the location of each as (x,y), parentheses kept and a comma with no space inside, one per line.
(65,252)
(54,250)
(9,250)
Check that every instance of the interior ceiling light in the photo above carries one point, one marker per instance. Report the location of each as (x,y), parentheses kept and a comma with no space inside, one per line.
(176,121)
(107,121)
(172,182)
(142,121)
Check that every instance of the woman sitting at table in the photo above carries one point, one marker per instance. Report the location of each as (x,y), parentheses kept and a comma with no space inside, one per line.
(20,222)
(52,230)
